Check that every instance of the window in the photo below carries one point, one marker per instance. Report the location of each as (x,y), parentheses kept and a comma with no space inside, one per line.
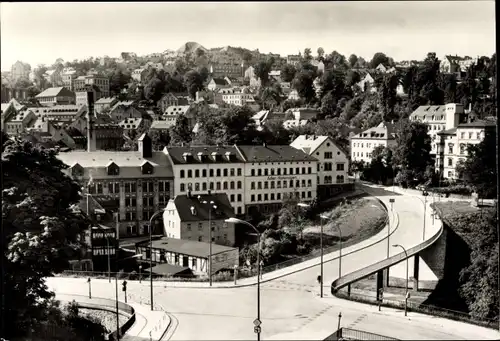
(148,186)
(232,198)
(204,186)
(224,185)
(239,185)
(211,173)
(231,172)
(218,172)
(266,172)
(272,184)
(329,155)
(450,162)
(272,171)
(183,188)
(309,183)
(303,170)
(272,196)
(200,226)
(252,197)
(239,198)
(450,148)
(309,194)
(284,171)
(309,170)
(291,171)
(200,238)
(190,173)
(266,197)
(297,183)
(278,196)
(197,173)
(291,183)
(204,173)
(328,166)
(225,172)
(278,171)
(217,186)
(259,185)
(99,188)
(259,197)
(193,263)
(462,148)
(259,172)
(297,170)
(252,185)
(239,172)
(266,185)
(197,186)
(340,179)
(188,226)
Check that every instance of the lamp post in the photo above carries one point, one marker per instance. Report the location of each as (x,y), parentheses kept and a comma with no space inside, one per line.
(257,321)
(151,253)
(300,204)
(140,276)
(117,311)
(211,205)
(406,294)
(424,202)
(109,260)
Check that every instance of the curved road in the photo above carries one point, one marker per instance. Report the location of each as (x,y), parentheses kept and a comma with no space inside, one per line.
(290,306)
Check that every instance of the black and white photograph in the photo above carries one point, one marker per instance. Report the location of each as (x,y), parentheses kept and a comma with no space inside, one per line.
(310,170)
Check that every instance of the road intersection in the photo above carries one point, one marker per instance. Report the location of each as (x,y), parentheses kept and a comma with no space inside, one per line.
(290,305)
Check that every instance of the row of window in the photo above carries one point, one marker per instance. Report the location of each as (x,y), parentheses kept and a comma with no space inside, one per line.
(328,166)
(368,145)
(130,187)
(278,171)
(478,135)
(277,196)
(212,172)
(284,183)
(218,186)
(132,215)
(329,179)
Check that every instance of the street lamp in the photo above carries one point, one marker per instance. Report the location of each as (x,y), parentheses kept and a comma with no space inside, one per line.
(140,276)
(300,204)
(406,294)
(151,253)
(340,243)
(424,202)
(257,322)
(210,237)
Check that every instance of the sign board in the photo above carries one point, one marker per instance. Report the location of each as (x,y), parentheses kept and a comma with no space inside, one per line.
(257,322)
(392,200)
(256,330)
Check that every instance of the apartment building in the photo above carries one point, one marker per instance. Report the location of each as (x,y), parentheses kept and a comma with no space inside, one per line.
(139,75)
(190,217)
(273,173)
(439,118)
(170,99)
(68,76)
(81,83)
(88,95)
(453,144)
(363,144)
(59,113)
(104,103)
(209,168)
(236,96)
(135,184)
(56,96)
(19,122)
(333,162)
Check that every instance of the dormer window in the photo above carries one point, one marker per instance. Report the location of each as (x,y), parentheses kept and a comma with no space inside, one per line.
(215,156)
(193,210)
(187,156)
(113,168)
(201,156)
(229,156)
(147,168)
(76,170)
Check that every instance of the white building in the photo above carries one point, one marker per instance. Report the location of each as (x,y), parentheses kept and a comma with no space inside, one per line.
(438,118)
(453,143)
(333,162)
(363,144)
(236,96)
(210,168)
(190,216)
(273,173)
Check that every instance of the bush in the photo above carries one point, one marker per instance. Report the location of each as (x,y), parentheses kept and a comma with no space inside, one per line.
(460,189)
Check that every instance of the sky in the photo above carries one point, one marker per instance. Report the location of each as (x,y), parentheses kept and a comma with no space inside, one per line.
(39,33)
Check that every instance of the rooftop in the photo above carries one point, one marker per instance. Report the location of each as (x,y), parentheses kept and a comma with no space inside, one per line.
(186,247)
(169,269)
(273,153)
(383,131)
(161,125)
(184,205)
(178,154)
(308,143)
(477,124)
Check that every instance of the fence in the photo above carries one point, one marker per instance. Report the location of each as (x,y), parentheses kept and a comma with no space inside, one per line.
(420,308)
(104,304)
(354,334)
(161,326)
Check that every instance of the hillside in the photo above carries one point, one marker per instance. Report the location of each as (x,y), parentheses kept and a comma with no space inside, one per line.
(190,47)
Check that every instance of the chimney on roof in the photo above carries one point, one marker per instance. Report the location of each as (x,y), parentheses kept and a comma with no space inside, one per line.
(193,210)
(145,146)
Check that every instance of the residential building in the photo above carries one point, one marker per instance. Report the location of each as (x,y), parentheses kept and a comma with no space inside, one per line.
(139,75)
(9,111)
(236,96)
(173,256)
(367,83)
(46,130)
(104,104)
(87,95)
(170,99)
(20,70)
(273,173)
(56,96)
(293,59)
(136,184)
(163,125)
(222,70)
(107,135)
(125,109)
(59,113)
(210,168)
(10,92)
(191,216)
(363,144)
(68,76)
(81,83)
(134,123)
(332,166)
(54,77)
(453,144)
(217,83)
(288,124)
(303,113)
(19,123)
(439,118)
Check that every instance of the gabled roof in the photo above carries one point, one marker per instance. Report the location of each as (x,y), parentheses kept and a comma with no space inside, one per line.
(134,122)
(478,124)
(220,81)
(384,131)
(273,153)
(177,109)
(162,125)
(106,100)
(424,110)
(311,142)
(53,92)
(183,204)
(176,154)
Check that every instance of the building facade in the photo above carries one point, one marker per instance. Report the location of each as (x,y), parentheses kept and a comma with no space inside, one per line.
(134,184)
(190,217)
(363,144)
(332,166)
(81,83)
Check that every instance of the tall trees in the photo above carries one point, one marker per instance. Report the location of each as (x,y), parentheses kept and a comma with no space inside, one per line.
(353,59)
(388,96)
(412,154)
(193,81)
(288,72)
(181,132)
(262,69)
(41,228)
(379,58)
(118,81)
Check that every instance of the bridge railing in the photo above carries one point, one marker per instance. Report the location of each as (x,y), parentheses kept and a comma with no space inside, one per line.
(385,263)
(354,334)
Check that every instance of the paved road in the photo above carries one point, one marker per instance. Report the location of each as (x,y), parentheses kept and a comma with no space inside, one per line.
(290,306)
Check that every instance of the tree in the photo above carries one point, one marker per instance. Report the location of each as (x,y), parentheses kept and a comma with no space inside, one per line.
(479,167)
(181,132)
(388,96)
(427,80)
(352,78)
(32,91)
(449,86)
(288,72)
(412,154)
(262,69)
(274,133)
(154,90)
(42,226)
(321,52)
(328,104)
(353,59)
(379,58)
(304,84)
(118,81)
(337,61)
(307,55)
(193,81)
